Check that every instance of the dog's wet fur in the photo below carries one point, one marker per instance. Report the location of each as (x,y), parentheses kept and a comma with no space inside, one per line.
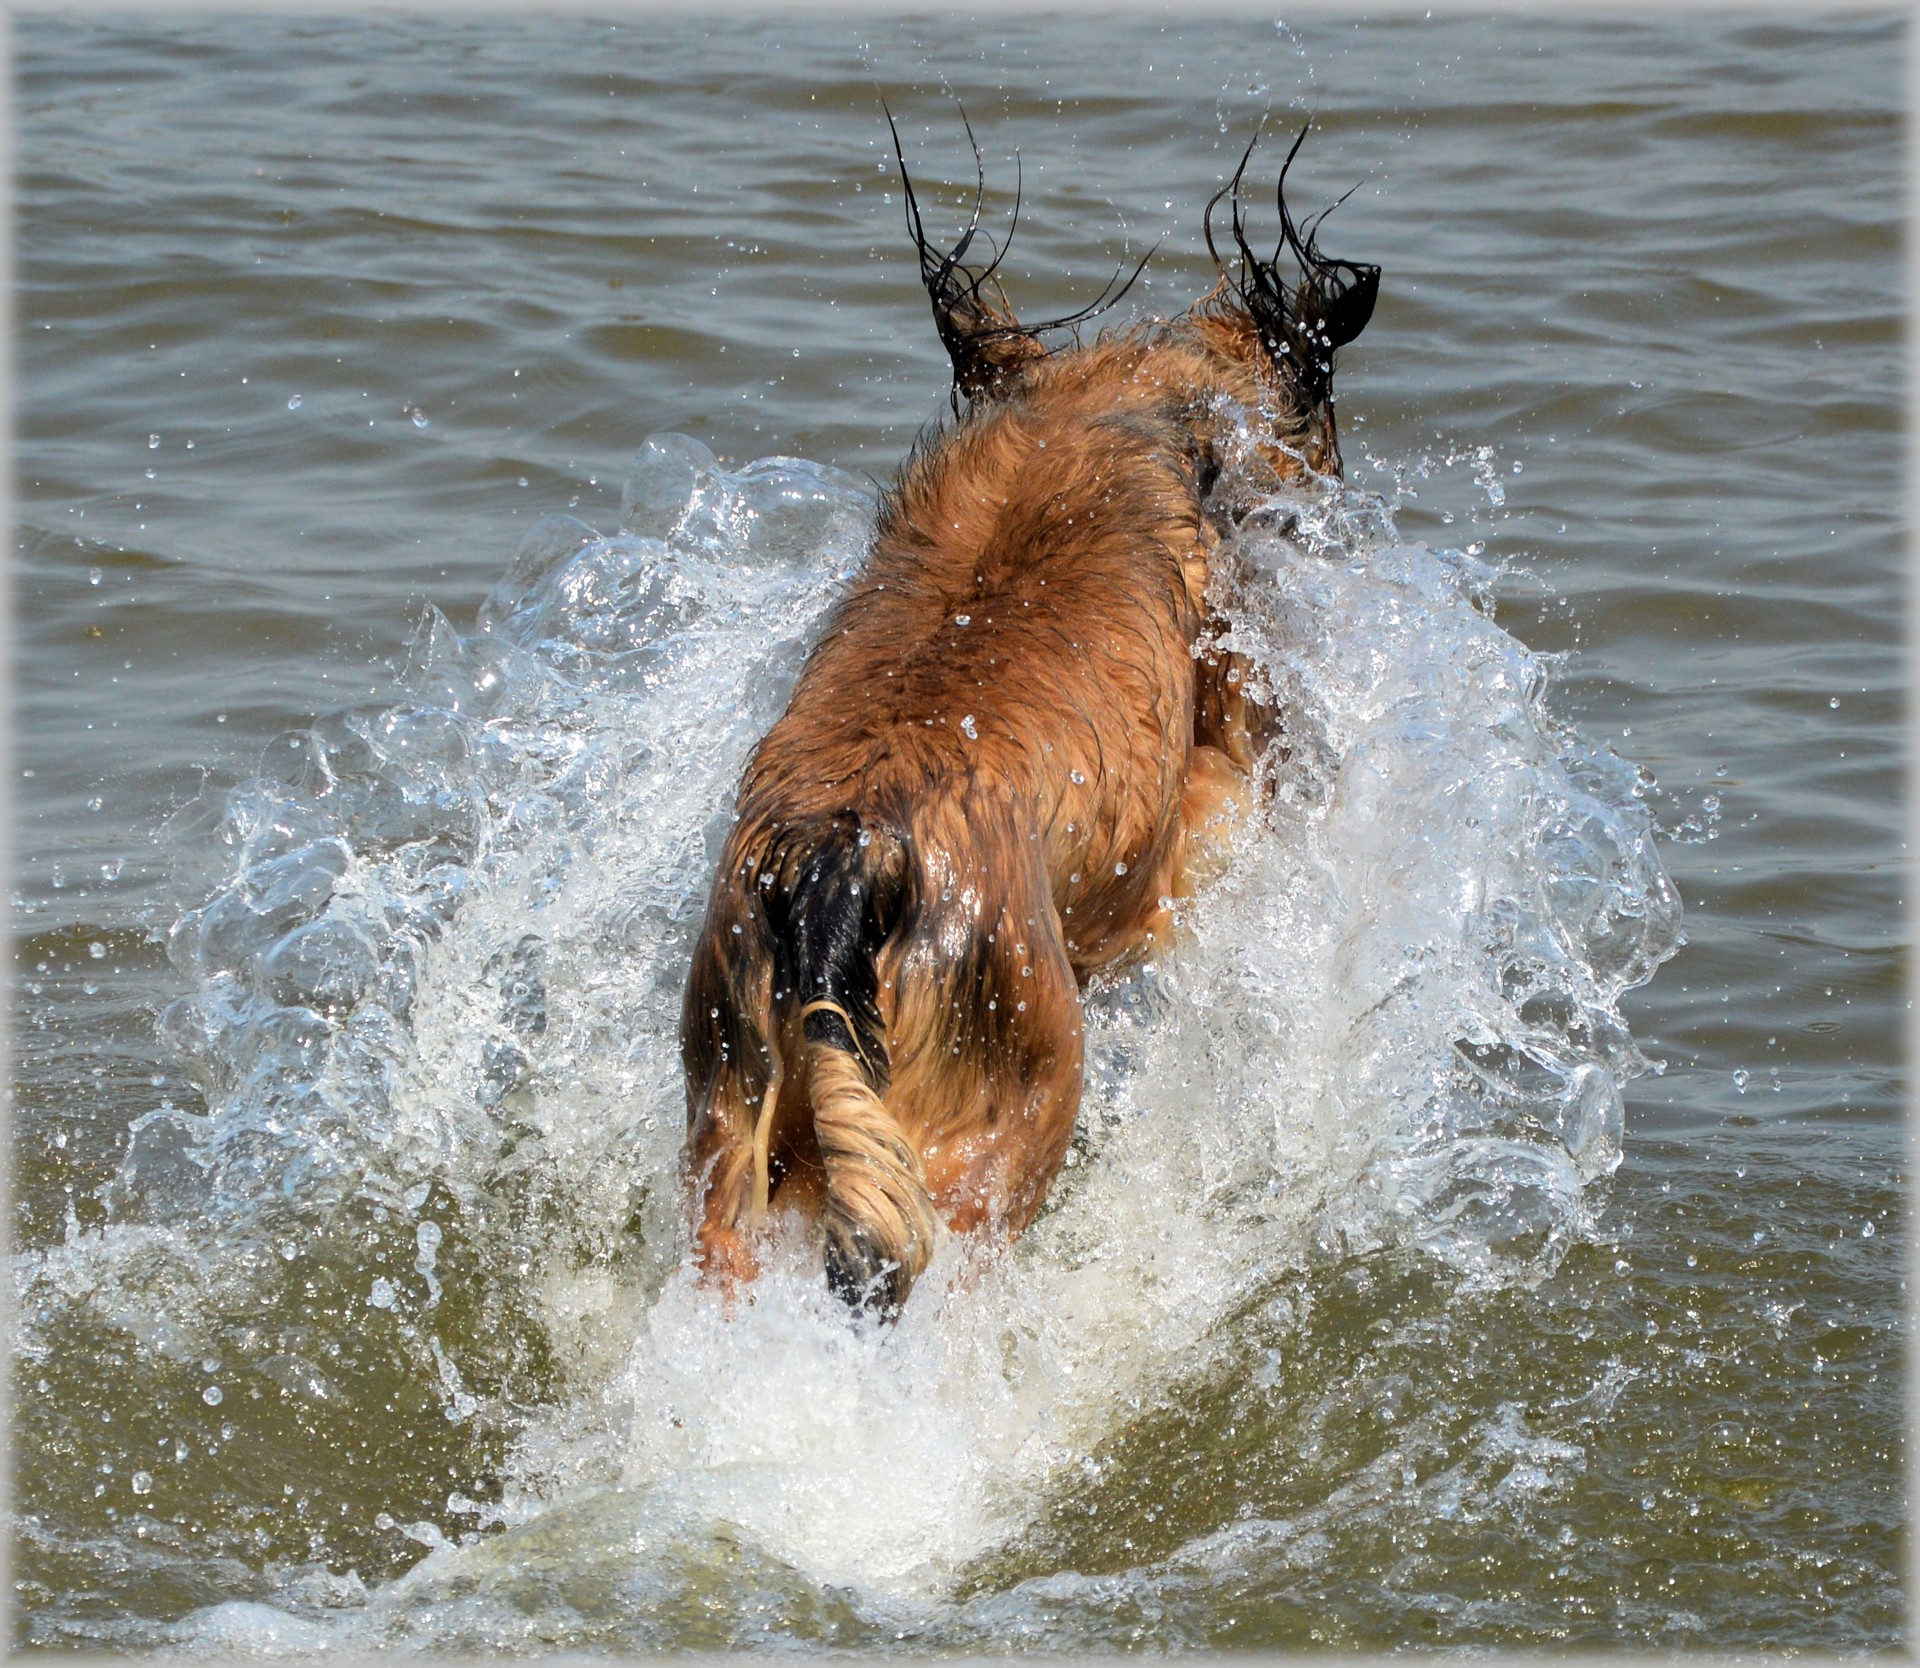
(1011,748)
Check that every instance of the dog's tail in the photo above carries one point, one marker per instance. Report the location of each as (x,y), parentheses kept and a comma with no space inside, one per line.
(838,891)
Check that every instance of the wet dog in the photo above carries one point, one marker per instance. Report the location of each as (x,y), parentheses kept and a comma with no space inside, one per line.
(999,765)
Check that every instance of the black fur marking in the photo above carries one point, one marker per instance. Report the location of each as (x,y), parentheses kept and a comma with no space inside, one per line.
(833,904)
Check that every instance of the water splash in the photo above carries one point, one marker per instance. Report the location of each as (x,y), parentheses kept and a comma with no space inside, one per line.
(437,977)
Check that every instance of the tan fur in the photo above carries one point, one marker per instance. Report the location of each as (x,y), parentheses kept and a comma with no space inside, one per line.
(1040,570)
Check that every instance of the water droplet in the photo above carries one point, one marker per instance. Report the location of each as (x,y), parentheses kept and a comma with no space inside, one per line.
(1833,701)
(97,950)
(1866,1231)
(967,728)
(294,403)
(419,418)
(382,1295)
(1119,868)
(213,1395)
(1740,1080)
(143,1482)
(153,443)
(967,619)
(93,576)
(1076,778)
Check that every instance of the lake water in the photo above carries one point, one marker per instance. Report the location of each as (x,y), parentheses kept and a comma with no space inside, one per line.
(1432,1269)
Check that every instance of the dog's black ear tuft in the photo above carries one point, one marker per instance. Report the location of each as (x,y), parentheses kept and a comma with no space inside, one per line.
(1300,324)
(989,347)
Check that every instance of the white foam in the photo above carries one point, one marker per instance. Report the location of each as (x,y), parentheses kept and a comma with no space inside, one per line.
(450,948)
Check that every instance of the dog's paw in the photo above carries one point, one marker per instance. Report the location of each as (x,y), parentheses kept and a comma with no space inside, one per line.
(861,1274)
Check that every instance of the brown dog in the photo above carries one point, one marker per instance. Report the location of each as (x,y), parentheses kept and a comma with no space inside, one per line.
(993,770)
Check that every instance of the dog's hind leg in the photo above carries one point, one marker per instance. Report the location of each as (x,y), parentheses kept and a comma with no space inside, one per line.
(986,1033)
(733,1080)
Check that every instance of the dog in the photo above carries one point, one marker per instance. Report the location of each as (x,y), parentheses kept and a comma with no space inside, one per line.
(1002,762)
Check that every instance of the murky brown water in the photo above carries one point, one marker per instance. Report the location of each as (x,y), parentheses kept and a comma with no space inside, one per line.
(314,321)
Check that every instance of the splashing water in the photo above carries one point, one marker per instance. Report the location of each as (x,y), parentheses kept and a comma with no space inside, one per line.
(436,989)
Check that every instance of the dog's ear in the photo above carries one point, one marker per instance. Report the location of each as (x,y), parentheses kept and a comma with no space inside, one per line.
(1300,324)
(990,348)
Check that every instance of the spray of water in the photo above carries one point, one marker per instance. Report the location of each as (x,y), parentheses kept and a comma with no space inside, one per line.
(437,979)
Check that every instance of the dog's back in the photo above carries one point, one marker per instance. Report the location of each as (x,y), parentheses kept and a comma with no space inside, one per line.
(983,786)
